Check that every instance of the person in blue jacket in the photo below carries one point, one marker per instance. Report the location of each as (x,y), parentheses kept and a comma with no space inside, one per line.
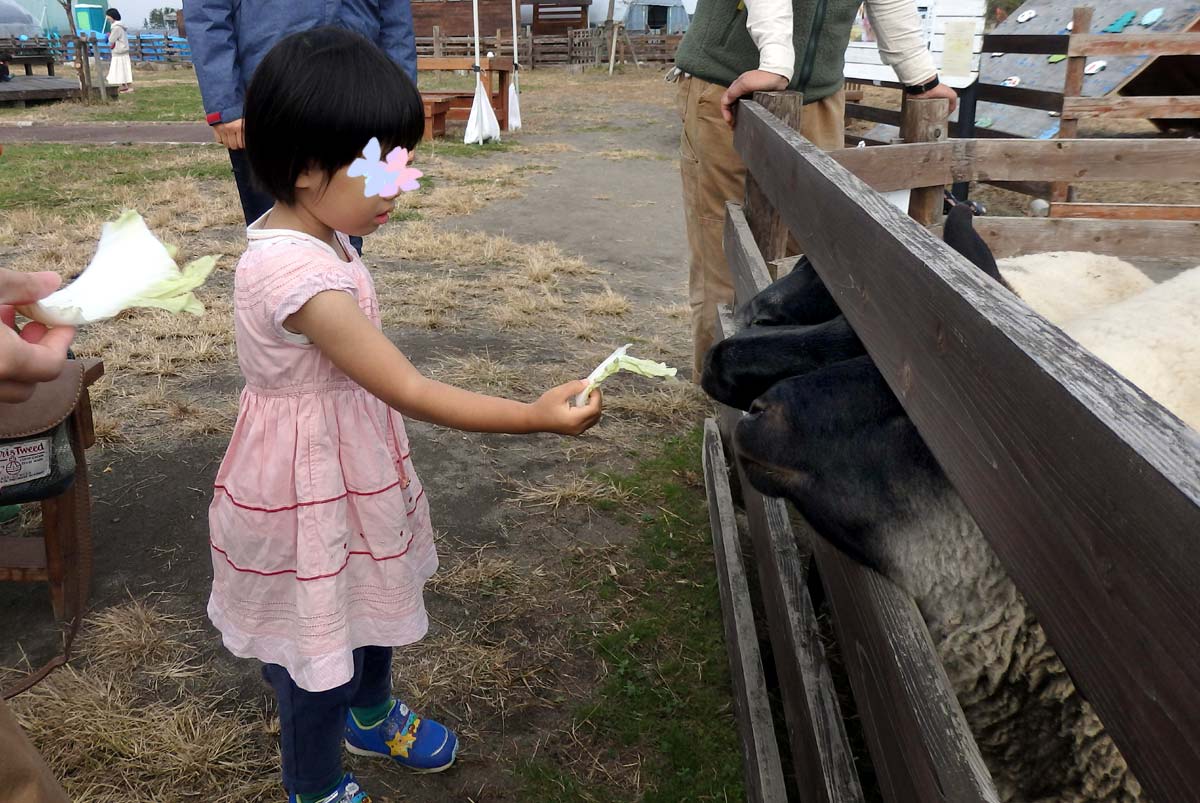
(229,38)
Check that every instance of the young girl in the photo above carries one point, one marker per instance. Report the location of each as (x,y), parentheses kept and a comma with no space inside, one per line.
(321,541)
(120,71)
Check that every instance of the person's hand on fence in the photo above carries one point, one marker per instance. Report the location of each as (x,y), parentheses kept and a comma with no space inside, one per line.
(231,134)
(35,354)
(942,91)
(747,84)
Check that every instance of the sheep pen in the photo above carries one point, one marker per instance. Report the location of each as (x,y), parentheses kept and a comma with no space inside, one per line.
(1084,488)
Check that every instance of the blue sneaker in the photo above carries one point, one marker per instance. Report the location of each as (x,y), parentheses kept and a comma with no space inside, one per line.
(420,745)
(348,791)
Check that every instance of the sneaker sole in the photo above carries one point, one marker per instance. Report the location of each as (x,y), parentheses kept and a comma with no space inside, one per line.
(358,751)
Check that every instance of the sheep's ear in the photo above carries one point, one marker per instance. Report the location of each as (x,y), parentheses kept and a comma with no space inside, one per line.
(959,233)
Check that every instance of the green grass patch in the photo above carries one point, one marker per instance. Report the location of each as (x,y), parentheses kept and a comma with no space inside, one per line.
(668,691)
(453,146)
(71,179)
(149,102)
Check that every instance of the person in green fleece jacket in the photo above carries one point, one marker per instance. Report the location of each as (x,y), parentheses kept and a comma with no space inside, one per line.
(737,47)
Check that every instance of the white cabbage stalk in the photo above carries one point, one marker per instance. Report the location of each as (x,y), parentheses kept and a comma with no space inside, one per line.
(131,268)
(619,360)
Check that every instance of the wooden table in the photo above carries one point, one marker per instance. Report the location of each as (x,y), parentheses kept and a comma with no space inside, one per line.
(460,102)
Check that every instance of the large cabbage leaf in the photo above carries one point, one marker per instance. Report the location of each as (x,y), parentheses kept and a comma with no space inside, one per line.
(131,268)
(620,360)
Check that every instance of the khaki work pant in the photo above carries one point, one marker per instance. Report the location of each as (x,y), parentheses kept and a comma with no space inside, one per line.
(712,175)
(24,776)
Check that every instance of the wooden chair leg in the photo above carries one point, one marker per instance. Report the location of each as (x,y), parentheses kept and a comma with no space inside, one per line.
(57,524)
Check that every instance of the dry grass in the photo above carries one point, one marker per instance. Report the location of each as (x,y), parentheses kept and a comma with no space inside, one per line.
(670,402)
(631,154)
(482,374)
(607,303)
(577,489)
(111,731)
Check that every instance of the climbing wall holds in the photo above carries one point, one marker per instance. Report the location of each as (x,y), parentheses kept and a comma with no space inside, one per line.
(1071,25)
(1152,16)
(1054,114)
(1055,59)
(997,55)
(1026,16)
(1012,80)
(1121,22)
(1094,67)
(983,122)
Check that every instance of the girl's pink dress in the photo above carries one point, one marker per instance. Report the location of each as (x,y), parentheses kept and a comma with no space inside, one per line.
(320,531)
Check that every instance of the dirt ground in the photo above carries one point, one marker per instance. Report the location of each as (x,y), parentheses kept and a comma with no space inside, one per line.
(520,266)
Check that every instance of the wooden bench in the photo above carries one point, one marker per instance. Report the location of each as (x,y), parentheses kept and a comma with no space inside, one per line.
(435,117)
(30,59)
(461,102)
(62,557)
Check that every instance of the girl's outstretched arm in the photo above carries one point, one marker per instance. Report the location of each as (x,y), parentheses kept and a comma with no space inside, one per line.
(336,325)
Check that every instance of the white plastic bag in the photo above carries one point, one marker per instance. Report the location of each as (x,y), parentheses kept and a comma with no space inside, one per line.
(482,124)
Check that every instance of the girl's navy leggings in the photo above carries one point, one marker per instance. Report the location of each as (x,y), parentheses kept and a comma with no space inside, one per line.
(312,724)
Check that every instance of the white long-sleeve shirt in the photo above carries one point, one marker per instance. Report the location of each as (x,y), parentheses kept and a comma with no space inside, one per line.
(897,30)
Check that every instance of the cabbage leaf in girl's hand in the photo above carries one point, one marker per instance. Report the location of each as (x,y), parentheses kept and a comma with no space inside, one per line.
(131,268)
(620,361)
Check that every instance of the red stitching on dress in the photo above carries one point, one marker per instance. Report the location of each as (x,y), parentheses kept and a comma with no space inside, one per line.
(348,492)
(345,563)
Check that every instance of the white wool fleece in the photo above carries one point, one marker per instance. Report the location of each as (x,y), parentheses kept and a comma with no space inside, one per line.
(1064,285)
(1153,340)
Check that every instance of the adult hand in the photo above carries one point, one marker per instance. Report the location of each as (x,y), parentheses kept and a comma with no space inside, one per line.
(230,134)
(553,411)
(747,84)
(942,91)
(36,354)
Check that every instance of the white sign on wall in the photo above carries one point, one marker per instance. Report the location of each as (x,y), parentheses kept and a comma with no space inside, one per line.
(953,31)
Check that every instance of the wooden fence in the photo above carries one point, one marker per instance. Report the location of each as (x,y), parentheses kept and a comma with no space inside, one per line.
(500,43)
(1070,104)
(592,47)
(1088,492)
(142,48)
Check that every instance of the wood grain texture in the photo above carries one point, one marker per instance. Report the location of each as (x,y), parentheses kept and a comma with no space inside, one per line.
(1135,44)
(821,755)
(1088,491)
(1126,239)
(749,270)
(1021,96)
(760,753)
(769,230)
(1068,127)
(1079,160)
(1125,211)
(920,744)
(1170,107)
(924,120)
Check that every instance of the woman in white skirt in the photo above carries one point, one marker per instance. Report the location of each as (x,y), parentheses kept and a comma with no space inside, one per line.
(121,71)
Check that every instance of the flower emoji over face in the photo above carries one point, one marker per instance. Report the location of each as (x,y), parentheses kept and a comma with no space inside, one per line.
(386,178)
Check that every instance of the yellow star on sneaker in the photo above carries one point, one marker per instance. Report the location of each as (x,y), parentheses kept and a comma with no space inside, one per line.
(401,743)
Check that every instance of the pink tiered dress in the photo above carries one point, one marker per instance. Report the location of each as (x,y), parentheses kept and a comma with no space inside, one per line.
(319,527)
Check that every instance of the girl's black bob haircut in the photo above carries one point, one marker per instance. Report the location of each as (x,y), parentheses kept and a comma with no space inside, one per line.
(113,14)
(317,99)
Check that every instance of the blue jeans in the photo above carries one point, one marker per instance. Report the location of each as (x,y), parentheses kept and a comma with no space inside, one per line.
(255,202)
(312,724)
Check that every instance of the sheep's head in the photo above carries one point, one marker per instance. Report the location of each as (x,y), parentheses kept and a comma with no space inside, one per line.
(799,298)
(740,369)
(837,443)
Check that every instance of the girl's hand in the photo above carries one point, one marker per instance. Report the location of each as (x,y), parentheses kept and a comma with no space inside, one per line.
(553,411)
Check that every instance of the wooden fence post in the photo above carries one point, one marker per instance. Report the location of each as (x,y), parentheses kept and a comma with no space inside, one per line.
(768,228)
(1068,127)
(101,77)
(437,41)
(84,58)
(925,120)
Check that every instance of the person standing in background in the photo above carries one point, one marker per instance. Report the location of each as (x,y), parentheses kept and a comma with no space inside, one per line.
(229,38)
(120,71)
(734,48)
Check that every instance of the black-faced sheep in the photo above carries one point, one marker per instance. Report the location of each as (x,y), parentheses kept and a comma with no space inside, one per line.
(831,437)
